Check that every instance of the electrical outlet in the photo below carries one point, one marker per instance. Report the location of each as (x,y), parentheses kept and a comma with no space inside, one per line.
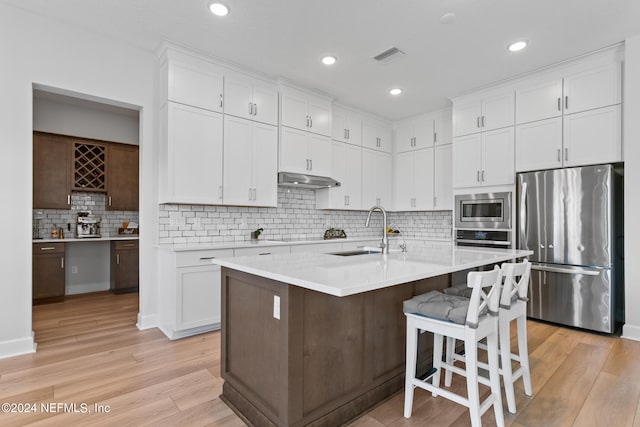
(74,269)
(276,307)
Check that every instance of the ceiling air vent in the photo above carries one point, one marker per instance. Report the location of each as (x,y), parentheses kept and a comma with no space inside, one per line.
(389,55)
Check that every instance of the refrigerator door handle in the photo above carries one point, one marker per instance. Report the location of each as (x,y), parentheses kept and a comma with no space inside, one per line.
(567,270)
(523,215)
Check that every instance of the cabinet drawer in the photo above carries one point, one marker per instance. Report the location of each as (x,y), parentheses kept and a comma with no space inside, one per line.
(263,250)
(125,244)
(48,248)
(200,257)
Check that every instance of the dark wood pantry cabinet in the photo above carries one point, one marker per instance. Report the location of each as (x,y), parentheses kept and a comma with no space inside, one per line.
(122,186)
(51,171)
(124,266)
(48,275)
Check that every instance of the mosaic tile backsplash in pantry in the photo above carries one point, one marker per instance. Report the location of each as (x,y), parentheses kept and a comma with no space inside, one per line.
(296,217)
(94,202)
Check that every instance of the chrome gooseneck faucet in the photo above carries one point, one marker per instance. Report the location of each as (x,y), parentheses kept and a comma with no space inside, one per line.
(385,239)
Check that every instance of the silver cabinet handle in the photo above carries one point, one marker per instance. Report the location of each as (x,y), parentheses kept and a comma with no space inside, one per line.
(219,191)
(348,133)
(118,259)
(255,194)
(478,122)
(109,200)
(68,199)
(310,164)
(310,121)
(307,164)
(576,270)
(250,109)
(48,248)
(307,125)
(559,104)
(348,201)
(566,102)
(345,200)
(205,258)
(255,109)
(477,176)
(265,253)
(559,158)
(566,154)
(435,201)
(220,100)
(482,176)
(250,194)
(344,133)
(482,121)
(62,262)
(435,137)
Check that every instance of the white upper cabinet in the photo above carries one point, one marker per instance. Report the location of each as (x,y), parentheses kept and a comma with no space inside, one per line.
(571,116)
(191,155)
(377,135)
(250,98)
(484,159)
(377,179)
(442,127)
(305,111)
(481,113)
(414,180)
(250,163)
(415,133)
(188,80)
(304,152)
(347,169)
(347,126)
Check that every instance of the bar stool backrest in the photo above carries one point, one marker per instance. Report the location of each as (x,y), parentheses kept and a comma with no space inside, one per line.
(516,282)
(480,300)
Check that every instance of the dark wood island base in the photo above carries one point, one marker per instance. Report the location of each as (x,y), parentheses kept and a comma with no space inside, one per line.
(325,361)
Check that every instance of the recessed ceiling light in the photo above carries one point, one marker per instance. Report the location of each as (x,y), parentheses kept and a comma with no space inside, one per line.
(517,46)
(448,18)
(219,9)
(329,60)
(395,91)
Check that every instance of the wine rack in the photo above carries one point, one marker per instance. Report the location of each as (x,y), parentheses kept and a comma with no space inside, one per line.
(89,166)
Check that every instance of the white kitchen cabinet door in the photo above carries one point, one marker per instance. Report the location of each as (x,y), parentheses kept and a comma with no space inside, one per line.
(320,115)
(442,189)
(319,149)
(423,179)
(238,95)
(347,126)
(423,132)
(384,173)
(466,116)
(339,124)
(194,82)
(404,182)
(498,157)
(294,109)
(238,161)
(265,102)
(265,165)
(538,100)
(369,177)
(593,88)
(353,176)
(467,155)
(354,129)
(404,137)
(198,297)
(539,145)
(335,198)
(442,127)
(194,155)
(498,110)
(593,137)
(294,151)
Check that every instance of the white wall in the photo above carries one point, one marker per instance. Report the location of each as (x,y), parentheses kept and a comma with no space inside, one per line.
(631,134)
(42,52)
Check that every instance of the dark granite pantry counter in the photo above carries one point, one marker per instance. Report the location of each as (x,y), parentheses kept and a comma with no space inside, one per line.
(316,339)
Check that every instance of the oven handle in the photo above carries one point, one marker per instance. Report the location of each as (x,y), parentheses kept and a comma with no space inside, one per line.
(481,242)
(573,270)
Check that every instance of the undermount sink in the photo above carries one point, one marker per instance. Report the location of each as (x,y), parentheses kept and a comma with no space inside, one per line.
(358,252)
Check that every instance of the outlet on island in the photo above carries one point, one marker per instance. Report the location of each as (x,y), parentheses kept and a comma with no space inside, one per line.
(74,269)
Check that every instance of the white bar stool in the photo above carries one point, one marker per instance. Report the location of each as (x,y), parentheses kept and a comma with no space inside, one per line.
(513,306)
(481,322)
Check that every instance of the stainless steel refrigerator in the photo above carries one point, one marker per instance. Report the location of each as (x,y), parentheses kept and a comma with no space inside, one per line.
(572,219)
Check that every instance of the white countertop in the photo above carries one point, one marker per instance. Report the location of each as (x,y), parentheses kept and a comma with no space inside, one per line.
(257,243)
(342,276)
(89,239)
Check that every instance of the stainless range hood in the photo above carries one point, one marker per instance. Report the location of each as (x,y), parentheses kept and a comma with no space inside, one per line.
(291,179)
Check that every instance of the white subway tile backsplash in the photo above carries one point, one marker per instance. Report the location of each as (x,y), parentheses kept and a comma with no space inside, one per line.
(295,218)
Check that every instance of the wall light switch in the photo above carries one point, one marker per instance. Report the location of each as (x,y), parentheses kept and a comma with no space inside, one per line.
(276,307)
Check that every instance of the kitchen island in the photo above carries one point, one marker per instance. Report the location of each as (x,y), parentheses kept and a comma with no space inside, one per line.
(316,339)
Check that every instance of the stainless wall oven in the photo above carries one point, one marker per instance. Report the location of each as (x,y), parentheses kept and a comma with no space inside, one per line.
(485,211)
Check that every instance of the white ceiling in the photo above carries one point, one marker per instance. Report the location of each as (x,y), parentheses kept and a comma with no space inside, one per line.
(287,38)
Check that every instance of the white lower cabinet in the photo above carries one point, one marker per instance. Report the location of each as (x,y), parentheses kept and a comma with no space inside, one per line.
(189,292)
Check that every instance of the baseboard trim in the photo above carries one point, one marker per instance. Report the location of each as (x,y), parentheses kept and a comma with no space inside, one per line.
(147,322)
(176,335)
(631,332)
(17,347)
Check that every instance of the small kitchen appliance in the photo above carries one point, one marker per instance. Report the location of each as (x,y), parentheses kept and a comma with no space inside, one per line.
(87,225)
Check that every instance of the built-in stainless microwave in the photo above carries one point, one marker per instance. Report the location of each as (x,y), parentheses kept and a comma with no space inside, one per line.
(483,211)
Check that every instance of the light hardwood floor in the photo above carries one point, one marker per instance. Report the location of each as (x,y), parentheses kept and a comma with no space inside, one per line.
(90,352)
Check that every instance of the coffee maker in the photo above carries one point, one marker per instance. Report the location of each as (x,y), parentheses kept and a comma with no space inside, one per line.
(87,225)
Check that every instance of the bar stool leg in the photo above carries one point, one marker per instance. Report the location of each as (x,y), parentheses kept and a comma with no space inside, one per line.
(438,340)
(523,350)
(494,377)
(505,355)
(471,354)
(451,346)
(412,348)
